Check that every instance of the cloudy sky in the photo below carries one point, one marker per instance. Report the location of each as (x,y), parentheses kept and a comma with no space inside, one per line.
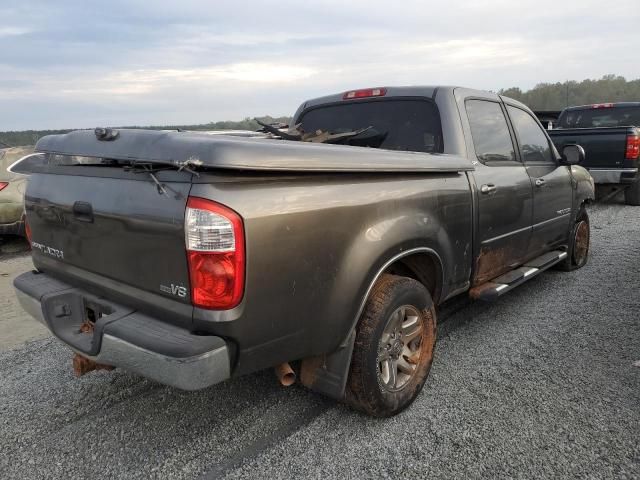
(82,63)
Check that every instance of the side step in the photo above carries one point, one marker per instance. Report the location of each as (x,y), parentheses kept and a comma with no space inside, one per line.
(499,286)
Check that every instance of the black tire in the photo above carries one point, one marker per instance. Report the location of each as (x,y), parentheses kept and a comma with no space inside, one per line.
(579,243)
(632,194)
(391,297)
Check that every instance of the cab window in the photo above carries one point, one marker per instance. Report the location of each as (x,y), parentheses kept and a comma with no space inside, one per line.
(534,144)
(490,133)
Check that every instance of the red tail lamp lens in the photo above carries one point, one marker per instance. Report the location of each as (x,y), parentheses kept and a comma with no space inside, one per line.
(214,237)
(365,93)
(633,147)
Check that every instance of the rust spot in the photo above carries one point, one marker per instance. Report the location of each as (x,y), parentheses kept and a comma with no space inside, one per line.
(86,327)
(308,368)
(581,243)
(413,359)
(82,365)
(429,339)
(490,264)
(476,292)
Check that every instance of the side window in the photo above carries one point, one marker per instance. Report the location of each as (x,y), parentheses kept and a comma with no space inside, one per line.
(533,142)
(491,137)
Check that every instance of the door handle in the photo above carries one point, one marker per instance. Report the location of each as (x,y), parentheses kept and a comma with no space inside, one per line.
(540,182)
(488,188)
(83,212)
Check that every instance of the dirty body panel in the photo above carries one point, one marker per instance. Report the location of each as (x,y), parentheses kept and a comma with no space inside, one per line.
(314,245)
(115,233)
(320,223)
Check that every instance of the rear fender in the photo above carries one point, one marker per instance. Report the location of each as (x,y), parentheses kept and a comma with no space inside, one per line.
(583,185)
(328,373)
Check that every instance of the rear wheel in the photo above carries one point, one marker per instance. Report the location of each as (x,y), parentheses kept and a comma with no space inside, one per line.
(579,243)
(394,345)
(632,194)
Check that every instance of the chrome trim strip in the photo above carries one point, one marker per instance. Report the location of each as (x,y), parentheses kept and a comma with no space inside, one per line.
(554,219)
(504,235)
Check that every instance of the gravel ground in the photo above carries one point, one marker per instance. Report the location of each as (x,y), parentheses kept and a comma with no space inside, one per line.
(14,330)
(540,384)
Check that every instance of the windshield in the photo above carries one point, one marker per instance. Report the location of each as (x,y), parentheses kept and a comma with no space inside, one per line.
(396,124)
(9,156)
(28,163)
(601,117)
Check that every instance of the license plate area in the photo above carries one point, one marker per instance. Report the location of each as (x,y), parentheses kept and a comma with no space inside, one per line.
(93,312)
(78,319)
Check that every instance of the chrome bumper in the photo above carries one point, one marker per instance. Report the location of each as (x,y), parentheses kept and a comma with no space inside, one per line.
(187,373)
(604,175)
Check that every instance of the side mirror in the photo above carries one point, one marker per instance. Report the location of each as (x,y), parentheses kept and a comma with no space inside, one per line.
(572,154)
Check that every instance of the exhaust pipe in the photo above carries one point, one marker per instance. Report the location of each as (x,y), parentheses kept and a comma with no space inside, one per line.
(285,374)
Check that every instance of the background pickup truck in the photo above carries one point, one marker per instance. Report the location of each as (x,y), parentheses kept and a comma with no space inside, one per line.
(192,258)
(610,136)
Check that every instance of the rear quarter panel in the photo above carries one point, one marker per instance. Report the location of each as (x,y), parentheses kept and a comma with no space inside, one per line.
(314,244)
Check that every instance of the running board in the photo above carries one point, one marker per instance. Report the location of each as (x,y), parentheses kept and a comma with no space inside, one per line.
(500,285)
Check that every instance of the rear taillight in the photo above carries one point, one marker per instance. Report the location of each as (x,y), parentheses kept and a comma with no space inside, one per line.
(365,93)
(633,147)
(214,237)
(3,185)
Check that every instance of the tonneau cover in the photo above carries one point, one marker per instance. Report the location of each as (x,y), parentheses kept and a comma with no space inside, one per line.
(238,153)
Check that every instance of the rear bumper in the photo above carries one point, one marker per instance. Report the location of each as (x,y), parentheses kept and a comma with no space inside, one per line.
(124,338)
(613,176)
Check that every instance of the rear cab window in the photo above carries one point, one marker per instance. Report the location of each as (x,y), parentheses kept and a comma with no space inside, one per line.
(594,117)
(396,123)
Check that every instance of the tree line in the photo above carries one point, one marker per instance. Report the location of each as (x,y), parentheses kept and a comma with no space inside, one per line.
(556,96)
(544,96)
(30,137)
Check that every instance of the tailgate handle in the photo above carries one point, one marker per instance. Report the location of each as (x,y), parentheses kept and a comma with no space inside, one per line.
(83,212)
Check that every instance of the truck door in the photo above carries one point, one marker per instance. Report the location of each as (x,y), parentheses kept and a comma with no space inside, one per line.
(503,192)
(552,192)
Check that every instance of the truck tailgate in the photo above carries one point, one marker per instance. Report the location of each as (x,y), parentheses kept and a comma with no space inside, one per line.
(604,146)
(112,230)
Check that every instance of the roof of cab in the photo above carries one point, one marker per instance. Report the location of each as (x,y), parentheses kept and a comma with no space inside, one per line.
(603,104)
(429,91)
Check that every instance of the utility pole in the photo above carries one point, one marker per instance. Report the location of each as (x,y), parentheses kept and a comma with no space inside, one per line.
(567,94)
